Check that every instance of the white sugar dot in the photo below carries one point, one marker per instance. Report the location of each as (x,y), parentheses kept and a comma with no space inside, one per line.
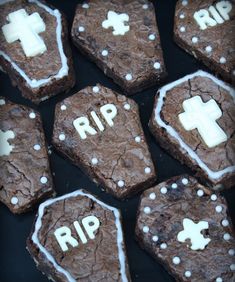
(63,107)
(194,39)
(2,102)
(145,6)
(81,29)
(37,147)
(32,115)
(185,181)
(43,180)
(163,190)
(129,77)
(127,107)
(157,65)
(105,53)
(147,210)
(225,222)
(187,274)
(174,186)
(85,6)
(152,37)
(62,137)
(146,229)
(182,29)
(152,196)
(231,252)
(155,238)
(208,49)
(182,16)
(176,260)
(121,183)
(226,237)
(137,139)
(213,197)
(95,89)
(184,2)
(218,209)
(200,193)
(232,267)
(94,161)
(14,200)
(147,170)
(163,246)
(219,279)
(222,60)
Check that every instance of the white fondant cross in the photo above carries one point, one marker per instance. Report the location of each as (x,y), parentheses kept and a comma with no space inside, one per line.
(203,116)
(5,147)
(117,21)
(192,231)
(26,28)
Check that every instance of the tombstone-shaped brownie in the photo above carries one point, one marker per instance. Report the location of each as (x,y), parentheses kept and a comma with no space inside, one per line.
(100,131)
(122,38)
(186,227)
(206,30)
(194,119)
(34,48)
(76,237)
(25,177)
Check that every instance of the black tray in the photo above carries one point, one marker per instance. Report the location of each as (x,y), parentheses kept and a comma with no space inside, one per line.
(15,262)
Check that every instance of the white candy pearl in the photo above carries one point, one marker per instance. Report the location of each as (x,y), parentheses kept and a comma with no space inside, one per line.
(37,147)
(152,196)
(187,274)
(218,209)
(146,229)
(85,6)
(137,139)
(147,210)
(147,170)
(182,29)
(157,65)
(182,16)
(163,246)
(127,107)
(105,53)
(129,77)
(184,2)
(81,29)
(174,186)
(145,6)
(185,181)
(43,180)
(163,190)
(232,267)
(226,237)
(63,107)
(208,49)
(219,279)
(155,238)
(176,260)
(194,39)
(152,37)
(32,115)
(200,193)
(231,252)
(94,161)
(225,223)
(95,89)
(222,60)
(62,137)
(213,197)
(14,200)
(121,183)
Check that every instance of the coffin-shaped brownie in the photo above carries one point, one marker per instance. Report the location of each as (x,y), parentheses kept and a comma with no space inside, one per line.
(194,119)
(206,29)
(100,131)
(34,48)
(25,177)
(77,237)
(122,38)
(186,227)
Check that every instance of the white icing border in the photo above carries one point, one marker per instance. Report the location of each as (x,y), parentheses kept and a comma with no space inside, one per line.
(64,69)
(120,242)
(170,130)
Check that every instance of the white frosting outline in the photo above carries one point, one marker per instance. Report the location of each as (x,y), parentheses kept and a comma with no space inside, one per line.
(173,133)
(120,241)
(64,69)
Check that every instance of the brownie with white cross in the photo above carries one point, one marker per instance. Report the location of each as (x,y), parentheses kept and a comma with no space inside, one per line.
(186,227)
(76,237)
(25,176)
(194,119)
(100,131)
(34,49)
(122,38)
(206,29)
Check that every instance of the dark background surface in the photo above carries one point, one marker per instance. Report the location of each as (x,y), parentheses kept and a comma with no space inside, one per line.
(15,262)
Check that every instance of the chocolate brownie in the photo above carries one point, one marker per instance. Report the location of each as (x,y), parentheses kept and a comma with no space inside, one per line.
(100,131)
(34,49)
(206,29)
(194,119)
(76,237)
(25,177)
(186,227)
(122,38)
